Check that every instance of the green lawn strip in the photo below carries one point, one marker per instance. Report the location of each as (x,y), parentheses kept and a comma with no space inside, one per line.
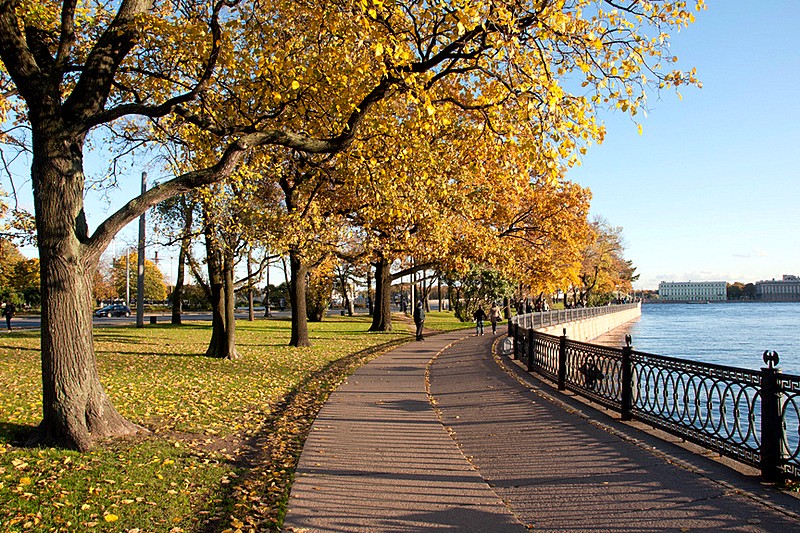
(225,435)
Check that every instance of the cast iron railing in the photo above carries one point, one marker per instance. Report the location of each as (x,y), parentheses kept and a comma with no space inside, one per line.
(541,319)
(752,416)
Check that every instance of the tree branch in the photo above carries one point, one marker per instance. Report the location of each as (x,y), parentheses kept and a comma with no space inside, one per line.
(94,85)
(412,269)
(17,57)
(186,182)
(169,106)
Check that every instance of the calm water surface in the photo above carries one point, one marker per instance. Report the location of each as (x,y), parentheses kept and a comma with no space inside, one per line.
(733,334)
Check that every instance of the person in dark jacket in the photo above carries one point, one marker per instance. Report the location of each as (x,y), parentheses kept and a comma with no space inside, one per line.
(419,319)
(8,312)
(479,316)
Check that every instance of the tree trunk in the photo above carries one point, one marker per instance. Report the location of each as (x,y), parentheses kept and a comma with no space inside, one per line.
(382,315)
(177,292)
(75,408)
(251,315)
(230,308)
(186,244)
(369,290)
(459,306)
(348,303)
(297,297)
(222,343)
(449,295)
(427,286)
(439,290)
(216,285)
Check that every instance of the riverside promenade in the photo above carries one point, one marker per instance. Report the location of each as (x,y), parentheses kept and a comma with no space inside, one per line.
(443,435)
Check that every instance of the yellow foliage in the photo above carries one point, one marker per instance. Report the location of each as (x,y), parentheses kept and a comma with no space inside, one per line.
(438,129)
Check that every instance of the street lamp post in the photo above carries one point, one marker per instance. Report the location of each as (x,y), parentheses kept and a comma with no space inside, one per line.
(140,262)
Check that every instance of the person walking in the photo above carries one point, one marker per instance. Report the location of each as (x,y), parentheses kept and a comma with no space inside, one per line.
(8,312)
(479,316)
(494,317)
(419,319)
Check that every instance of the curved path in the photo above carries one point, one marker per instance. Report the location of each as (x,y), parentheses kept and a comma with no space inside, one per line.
(489,449)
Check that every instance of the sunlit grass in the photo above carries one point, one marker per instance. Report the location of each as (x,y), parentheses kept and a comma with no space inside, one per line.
(224,438)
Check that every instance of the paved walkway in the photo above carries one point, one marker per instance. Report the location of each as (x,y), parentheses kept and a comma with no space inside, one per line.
(495,451)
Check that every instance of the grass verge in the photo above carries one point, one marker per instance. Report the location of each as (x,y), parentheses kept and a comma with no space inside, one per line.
(225,435)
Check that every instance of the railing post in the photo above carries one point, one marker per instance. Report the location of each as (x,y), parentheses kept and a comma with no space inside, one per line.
(771,423)
(562,361)
(513,336)
(517,348)
(627,380)
(531,348)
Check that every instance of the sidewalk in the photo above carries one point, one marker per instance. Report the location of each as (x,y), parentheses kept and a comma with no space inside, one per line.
(379,458)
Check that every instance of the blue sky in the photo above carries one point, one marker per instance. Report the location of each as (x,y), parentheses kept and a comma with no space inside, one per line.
(710,190)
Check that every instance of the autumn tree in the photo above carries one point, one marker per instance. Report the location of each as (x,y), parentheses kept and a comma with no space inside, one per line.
(102,288)
(175,222)
(604,268)
(320,290)
(478,287)
(10,256)
(124,276)
(307,226)
(304,75)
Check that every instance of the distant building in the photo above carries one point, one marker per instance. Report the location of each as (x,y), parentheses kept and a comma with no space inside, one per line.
(693,291)
(781,290)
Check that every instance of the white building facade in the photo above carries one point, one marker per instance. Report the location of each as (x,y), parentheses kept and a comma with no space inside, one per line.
(781,290)
(693,291)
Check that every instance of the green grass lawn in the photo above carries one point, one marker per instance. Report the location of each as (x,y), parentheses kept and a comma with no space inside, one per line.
(224,435)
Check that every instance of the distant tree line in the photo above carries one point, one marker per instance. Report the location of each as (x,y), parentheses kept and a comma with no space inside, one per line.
(741,291)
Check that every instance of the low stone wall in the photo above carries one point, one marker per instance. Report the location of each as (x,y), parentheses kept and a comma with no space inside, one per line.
(591,328)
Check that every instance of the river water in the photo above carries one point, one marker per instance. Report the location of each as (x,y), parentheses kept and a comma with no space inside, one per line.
(732,334)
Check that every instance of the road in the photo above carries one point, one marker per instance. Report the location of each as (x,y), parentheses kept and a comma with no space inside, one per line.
(34,321)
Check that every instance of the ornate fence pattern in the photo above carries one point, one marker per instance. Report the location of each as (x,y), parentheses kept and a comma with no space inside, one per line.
(748,415)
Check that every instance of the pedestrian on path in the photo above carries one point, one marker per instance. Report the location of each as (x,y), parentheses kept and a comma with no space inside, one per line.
(8,312)
(479,316)
(419,319)
(494,317)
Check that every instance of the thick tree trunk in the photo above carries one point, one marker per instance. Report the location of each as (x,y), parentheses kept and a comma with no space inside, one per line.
(216,284)
(382,315)
(297,297)
(222,344)
(76,409)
